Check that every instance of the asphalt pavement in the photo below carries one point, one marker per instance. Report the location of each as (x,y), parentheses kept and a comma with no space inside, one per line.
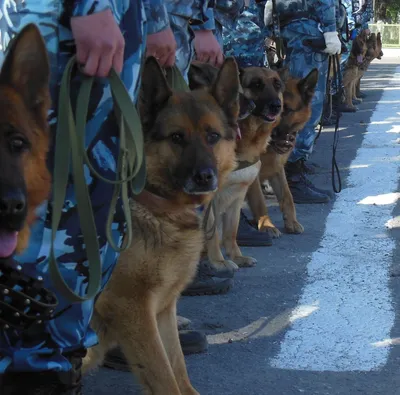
(318,315)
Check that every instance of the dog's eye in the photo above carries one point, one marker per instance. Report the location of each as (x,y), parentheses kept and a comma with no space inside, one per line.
(213,138)
(286,109)
(18,144)
(256,84)
(177,138)
(277,84)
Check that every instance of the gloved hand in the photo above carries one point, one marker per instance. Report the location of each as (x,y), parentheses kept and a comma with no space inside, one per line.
(332,42)
(268,13)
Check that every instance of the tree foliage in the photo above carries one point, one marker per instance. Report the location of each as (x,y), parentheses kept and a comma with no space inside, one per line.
(387,10)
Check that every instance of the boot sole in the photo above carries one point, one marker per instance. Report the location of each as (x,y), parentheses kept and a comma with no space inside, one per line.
(219,289)
(122,366)
(252,243)
(312,202)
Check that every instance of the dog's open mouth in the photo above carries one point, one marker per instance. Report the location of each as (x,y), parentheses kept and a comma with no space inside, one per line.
(281,144)
(8,242)
(269,117)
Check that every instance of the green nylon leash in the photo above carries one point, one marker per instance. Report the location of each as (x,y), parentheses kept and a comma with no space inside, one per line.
(70,152)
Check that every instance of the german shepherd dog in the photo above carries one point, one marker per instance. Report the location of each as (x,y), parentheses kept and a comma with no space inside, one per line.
(297,99)
(374,51)
(190,149)
(263,88)
(351,71)
(24,138)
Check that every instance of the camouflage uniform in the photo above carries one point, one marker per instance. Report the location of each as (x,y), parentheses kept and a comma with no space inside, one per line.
(70,330)
(316,18)
(244,39)
(184,17)
(227,14)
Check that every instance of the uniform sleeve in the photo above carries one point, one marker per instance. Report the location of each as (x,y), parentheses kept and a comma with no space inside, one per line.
(87,7)
(326,13)
(157,16)
(208,16)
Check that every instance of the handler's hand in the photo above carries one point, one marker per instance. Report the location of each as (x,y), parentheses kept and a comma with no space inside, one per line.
(99,43)
(207,48)
(162,46)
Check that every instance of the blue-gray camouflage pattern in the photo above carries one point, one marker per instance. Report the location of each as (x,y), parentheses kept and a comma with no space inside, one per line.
(322,13)
(70,330)
(246,39)
(362,12)
(185,16)
(226,13)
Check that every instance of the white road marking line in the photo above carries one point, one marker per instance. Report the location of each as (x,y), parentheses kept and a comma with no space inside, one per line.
(348,276)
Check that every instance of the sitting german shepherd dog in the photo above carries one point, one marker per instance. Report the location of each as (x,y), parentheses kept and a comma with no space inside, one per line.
(297,99)
(261,105)
(351,73)
(190,150)
(374,51)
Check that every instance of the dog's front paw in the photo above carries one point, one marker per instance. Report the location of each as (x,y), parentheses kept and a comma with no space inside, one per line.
(225,268)
(265,225)
(245,261)
(294,227)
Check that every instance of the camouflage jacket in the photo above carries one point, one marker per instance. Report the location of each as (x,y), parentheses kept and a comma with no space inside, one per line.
(156,11)
(325,12)
(227,12)
(199,12)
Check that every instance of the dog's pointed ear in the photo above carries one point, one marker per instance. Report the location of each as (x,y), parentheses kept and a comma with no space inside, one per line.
(154,92)
(201,75)
(284,73)
(307,86)
(26,68)
(226,89)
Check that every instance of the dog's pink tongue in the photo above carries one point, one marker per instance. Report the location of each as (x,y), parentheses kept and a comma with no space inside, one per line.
(8,243)
(360,58)
(238,133)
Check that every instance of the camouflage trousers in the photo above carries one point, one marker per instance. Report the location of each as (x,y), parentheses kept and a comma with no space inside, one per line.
(301,60)
(70,330)
(246,41)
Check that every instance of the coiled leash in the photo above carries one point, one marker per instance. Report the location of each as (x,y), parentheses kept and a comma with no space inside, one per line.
(334,64)
(70,150)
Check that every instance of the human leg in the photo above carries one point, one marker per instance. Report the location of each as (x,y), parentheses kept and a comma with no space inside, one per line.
(68,333)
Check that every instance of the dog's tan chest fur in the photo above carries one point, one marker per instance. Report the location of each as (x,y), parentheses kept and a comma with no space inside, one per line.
(255,138)
(163,256)
(236,186)
(272,163)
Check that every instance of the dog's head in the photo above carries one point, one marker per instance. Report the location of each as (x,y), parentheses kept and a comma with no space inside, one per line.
(296,112)
(202,75)
(24,137)
(264,87)
(371,47)
(379,46)
(359,47)
(189,136)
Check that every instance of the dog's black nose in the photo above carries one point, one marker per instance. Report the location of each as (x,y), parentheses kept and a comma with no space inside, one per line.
(275,106)
(12,203)
(202,181)
(204,177)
